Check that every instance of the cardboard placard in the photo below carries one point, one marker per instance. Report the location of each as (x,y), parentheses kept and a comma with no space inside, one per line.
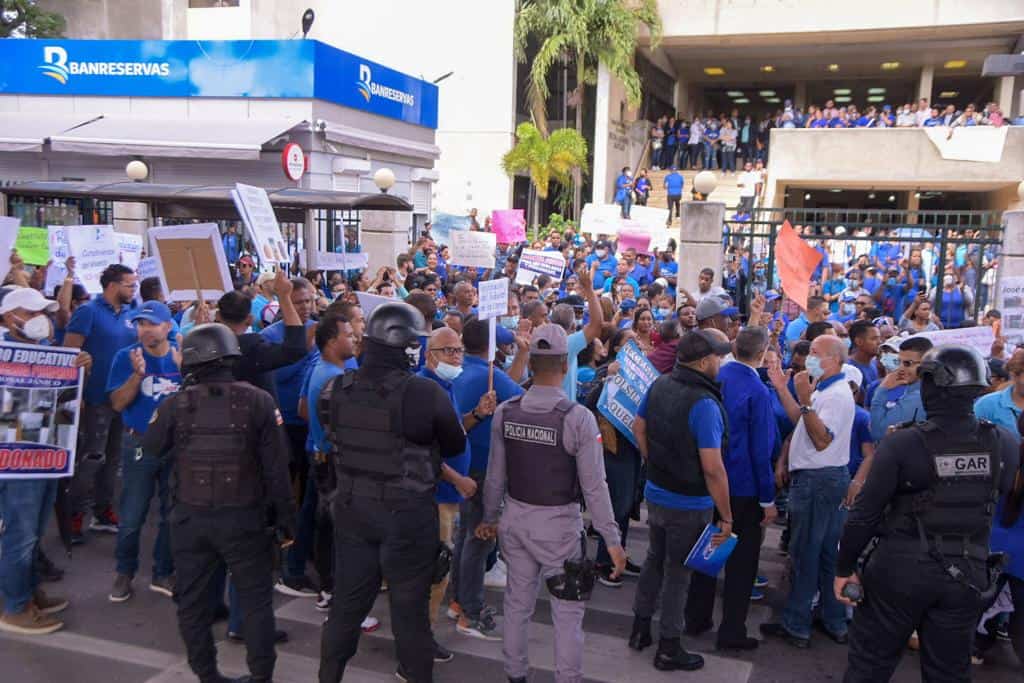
(8,235)
(473,249)
(190,258)
(257,213)
(329,260)
(368,302)
(509,226)
(640,241)
(33,245)
(979,337)
(533,262)
(129,246)
(493,299)
(94,248)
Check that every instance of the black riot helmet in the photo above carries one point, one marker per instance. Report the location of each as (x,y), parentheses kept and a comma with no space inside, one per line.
(954,365)
(207,343)
(396,324)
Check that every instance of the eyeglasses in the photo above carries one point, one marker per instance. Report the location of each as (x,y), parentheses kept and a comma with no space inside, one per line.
(450,351)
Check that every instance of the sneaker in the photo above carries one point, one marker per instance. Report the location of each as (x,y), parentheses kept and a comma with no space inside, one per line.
(46,570)
(497,577)
(77,537)
(105,522)
(1003,632)
(298,587)
(442,654)
(632,569)
(279,637)
(47,605)
(122,589)
(779,631)
(163,585)
(454,611)
(977,659)
(604,575)
(30,622)
(756,595)
(370,624)
(400,674)
(476,628)
(672,657)
(760,582)
(323,603)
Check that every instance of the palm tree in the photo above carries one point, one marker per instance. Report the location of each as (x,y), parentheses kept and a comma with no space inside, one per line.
(589,32)
(556,157)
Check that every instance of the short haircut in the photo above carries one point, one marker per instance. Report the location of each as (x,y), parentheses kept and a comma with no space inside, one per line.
(707,271)
(751,343)
(802,348)
(150,288)
(328,329)
(530,307)
(859,328)
(234,307)
(455,313)
(475,336)
(994,313)
(917,344)
(814,302)
(668,330)
(402,259)
(564,316)
(424,303)
(541,364)
(113,274)
(815,330)
(526,289)
(301,283)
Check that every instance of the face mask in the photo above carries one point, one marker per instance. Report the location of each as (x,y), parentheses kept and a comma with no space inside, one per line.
(665,312)
(509,322)
(448,372)
(814,368)
(890,361)
(601,253)
(413,354)
(892,282)
(37,328)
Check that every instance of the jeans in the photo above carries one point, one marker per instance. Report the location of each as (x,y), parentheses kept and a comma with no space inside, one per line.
(816,522)
(99,450)
(673,533)
(620,472)
(729,160)
(626,203)
(25,506)
(673,201)
(143,476)
(472,553)
(668,156)
(697,155)
(305,533)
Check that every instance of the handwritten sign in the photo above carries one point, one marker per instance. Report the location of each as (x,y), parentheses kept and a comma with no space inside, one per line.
(129,246)
(94,248)
(601,219)
(56,237)
(254,207)
(509,225)
(1010,301)
(473,249)
(493,298)
(32,245)
(41,392)
(8,235)
(980,338)
(445,224)
(533,262)
(329,260)
(620,399)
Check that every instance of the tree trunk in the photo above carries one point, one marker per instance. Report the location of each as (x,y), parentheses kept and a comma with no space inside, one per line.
(577,175)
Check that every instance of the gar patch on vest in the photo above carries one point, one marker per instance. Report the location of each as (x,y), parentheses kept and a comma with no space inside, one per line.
(362,420)
(214,461)
(538,468)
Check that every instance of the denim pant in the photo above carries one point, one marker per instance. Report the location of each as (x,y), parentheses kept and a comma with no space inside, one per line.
(620,472)
(626,203)
(99,448)
(25,506)
(305,531)
(143,476)
(673,533)
(472,553)
(729,160)
(816,517)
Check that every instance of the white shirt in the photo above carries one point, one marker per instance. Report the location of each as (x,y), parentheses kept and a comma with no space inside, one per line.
(713,290)
(748,183)
(835,406)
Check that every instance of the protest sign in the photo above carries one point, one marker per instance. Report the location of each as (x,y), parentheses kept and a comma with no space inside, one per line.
(1010,301)
(8,235)
(493,299)
(601,219)
(190,258)
(472,249)
(40,399)
(622,393)
(629,239)
(94,248)
(329,260)
(444,224)
(368,302)
(254,207)
(651,218)
(533,262)
(509,225)
(129,247)
(796,261)
(56,237)
(980,338)
(659,236)
(32,245)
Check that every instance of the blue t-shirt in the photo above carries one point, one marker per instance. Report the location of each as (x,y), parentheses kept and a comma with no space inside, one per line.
(860,435)
(319,373)
(162,379)
(259,302)
(468,388)
(869,372)
(288,379)
(446,493)
(577,342)
(106,333)
(707,427)
(674,183)
(607,264)
(833,287)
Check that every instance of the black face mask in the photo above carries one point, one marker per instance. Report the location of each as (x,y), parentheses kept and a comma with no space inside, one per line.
(947,402)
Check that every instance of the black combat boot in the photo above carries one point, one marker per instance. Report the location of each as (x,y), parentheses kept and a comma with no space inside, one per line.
(641,635)
(672,657)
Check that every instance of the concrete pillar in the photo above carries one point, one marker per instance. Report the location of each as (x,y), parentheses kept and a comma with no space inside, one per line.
(602,95)
(1012,259)
(700,242)
(132,217)
(384,235)
(925,83)
(682,96)
(800,95)
(1003,95)
(913,204)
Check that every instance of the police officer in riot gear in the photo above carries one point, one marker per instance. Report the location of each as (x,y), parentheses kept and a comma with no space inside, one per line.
(389,431)
(231,494)
(929,499)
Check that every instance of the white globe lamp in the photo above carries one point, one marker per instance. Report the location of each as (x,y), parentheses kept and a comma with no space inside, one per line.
(384,179)
(705,182)
(136,170)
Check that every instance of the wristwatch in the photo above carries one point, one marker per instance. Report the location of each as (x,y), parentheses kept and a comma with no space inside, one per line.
(805,409)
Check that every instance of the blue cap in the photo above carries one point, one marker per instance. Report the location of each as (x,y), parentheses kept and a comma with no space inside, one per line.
(627,304)
(771,295)
(154,312)
(503,336)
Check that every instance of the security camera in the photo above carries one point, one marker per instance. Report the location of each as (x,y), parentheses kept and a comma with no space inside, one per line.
(320,125)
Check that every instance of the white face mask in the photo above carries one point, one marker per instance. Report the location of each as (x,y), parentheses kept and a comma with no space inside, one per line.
(37,328)
(413,354)
(447,371)
(601,253)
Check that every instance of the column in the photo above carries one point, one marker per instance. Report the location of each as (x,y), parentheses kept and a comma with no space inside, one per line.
(925,83)
(1012,259)
(132,217)
(800,95)
(602,95)
(913,204)
(384,235)
(1003,95)
(682,97)
(700,242)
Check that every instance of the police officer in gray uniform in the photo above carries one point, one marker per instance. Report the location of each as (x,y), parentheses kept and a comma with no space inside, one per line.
(231,493)
(545,457)
(929,499)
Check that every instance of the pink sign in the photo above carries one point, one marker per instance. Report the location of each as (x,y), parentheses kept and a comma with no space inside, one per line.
(641,241)
(509,225)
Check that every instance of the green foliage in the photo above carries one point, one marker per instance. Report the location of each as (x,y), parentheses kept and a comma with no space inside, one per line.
(25,19)
(545,158)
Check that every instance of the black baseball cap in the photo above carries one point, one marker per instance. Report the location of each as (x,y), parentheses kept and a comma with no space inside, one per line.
(698,344)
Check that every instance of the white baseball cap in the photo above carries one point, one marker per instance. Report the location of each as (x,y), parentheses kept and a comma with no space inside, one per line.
(853,374)
(27,298)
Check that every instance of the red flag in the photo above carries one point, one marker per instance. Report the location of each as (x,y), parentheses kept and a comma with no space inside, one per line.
(796,261)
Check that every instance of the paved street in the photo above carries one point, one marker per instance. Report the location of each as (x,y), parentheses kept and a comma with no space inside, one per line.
(138,642)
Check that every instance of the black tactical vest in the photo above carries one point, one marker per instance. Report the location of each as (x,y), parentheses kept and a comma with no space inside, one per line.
(539,469)
(673,457)
(214,462)
(954,515)
(362,419)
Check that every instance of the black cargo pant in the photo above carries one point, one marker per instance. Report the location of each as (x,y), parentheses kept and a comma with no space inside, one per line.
(904,591)
(201,540)
(394,539)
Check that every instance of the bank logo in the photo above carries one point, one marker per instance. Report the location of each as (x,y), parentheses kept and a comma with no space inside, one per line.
(368,89)
(365,81)
(55,63)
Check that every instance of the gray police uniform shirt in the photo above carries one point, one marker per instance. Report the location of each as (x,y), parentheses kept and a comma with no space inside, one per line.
(581,439)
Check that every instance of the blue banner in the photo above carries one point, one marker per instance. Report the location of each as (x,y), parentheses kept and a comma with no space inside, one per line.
(287,69)
(443,224)
(620,399)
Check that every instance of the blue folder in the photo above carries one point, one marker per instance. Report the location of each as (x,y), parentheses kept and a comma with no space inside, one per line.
(704,559)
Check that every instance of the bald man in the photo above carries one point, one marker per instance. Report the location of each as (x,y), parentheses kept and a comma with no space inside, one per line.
(818,456)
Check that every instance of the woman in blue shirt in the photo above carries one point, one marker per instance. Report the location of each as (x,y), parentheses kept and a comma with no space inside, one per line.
(956,301)
(642,187)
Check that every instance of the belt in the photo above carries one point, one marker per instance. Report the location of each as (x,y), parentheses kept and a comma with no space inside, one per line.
(378,490)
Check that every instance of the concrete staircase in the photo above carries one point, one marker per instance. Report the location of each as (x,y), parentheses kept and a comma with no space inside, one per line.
(727,191)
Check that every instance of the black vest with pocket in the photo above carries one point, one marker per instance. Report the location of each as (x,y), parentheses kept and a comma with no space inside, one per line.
(538,468)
